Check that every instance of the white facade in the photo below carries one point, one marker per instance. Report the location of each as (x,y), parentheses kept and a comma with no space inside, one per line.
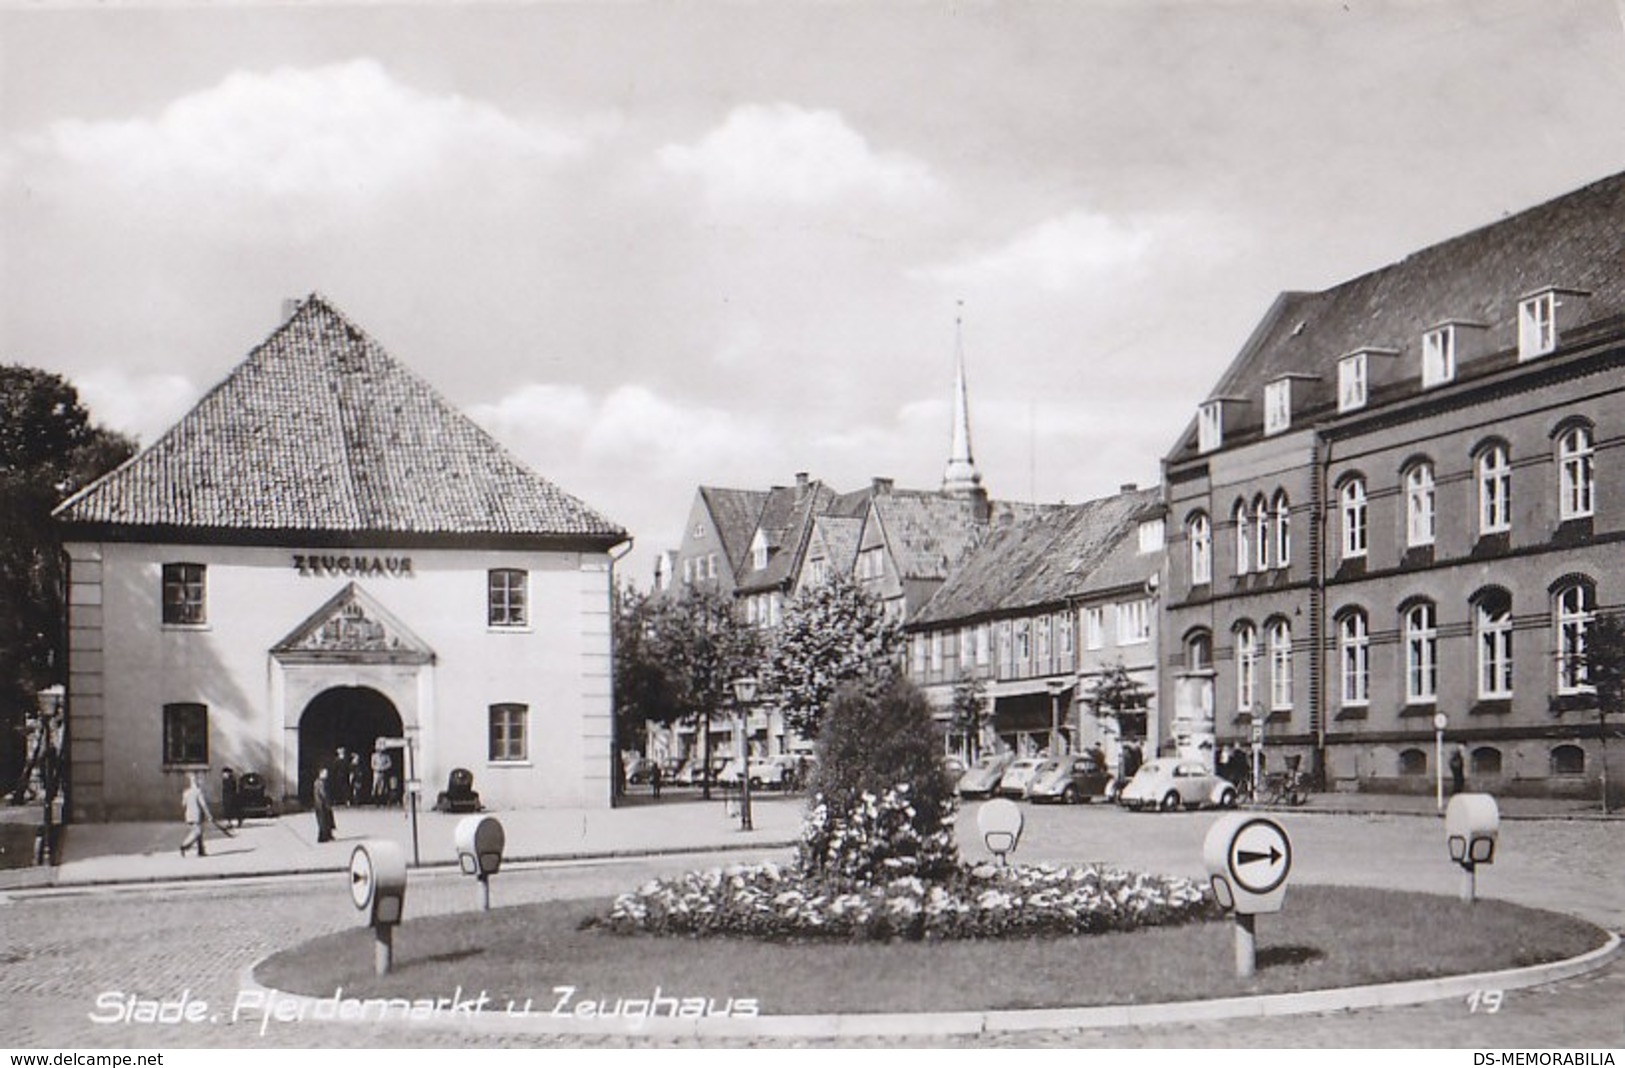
(413,630)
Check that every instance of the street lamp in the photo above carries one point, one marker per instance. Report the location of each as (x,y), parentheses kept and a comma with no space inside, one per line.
(1056,688)
(745,695)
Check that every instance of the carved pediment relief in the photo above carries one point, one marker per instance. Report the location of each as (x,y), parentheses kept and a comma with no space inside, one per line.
(353,627)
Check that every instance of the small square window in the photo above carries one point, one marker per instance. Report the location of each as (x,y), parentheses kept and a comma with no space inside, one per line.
(507,602)
(1351,379)
(1438,356)
(186,733)
(508,733)
(1537,325)
(1210,426)
(185,602)
(1278,406)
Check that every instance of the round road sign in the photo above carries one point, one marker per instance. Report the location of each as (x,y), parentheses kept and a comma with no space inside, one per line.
(361,878)
(1260,856)
(1440,721)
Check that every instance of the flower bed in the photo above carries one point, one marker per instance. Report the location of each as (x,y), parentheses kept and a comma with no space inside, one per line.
(769,902)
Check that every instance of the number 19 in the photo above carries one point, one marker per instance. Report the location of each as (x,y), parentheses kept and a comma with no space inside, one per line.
(1487,1000)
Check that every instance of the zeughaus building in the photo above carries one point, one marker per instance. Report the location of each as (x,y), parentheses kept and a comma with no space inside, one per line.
(322,553)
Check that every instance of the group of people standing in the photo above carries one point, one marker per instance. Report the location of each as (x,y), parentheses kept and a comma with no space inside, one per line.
(355,781)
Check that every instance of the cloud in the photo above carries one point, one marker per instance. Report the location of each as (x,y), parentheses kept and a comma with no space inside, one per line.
(344,128)
(781,153)
(1057,254)
(144,405)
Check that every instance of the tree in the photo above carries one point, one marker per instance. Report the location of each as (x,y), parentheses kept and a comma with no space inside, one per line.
(1605,670)
(968,711)
(676,658)
(1116,692)
(882,804)
(832,633)
(49,449)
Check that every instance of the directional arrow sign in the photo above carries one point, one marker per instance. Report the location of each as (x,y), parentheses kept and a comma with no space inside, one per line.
(1260,856)
(360,878)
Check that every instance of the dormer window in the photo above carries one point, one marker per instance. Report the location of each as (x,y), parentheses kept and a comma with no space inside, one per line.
(758,551)
(1351,380)
(1438,356)
(1210,426)
(1151,536)
(1278,406)
(1537,325)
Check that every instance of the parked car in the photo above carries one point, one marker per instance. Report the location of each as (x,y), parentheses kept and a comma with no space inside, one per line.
(982,778)
(766,773)
(638,769)
(1169,783)
(693,771)
(953,769)
(1073,779)
(1016,777)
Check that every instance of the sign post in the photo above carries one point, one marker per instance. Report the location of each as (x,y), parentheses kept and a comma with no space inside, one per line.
(413,787)
(1248,859)
(1258,754)
(378,888)
(1440,721)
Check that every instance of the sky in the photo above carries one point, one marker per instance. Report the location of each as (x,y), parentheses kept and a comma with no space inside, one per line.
(651,246)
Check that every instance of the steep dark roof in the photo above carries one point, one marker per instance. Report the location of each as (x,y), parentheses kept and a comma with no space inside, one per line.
(321,430)
(787,522)
(1042,560)
(839,535)
(734,513)
(1576,241)
(928,533)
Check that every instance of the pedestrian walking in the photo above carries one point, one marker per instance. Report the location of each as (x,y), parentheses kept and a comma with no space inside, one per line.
(654,778)
(1458,769)
(195,810)
(324,808)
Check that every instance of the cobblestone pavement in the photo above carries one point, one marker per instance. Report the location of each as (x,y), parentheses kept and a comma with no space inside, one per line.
(60,951)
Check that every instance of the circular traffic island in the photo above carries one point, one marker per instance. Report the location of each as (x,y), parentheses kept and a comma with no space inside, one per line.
(573,960)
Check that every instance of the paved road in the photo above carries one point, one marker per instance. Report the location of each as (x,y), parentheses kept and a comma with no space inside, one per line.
(58,953)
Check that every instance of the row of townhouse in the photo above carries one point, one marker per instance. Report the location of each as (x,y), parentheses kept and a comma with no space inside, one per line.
(1403,499)
(1400,501)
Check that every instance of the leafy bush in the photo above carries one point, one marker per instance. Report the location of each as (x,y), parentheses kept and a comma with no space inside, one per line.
(882,806)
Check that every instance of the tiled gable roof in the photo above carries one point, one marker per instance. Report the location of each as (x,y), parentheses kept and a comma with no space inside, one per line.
(1575,241)
(321,430)
(1043,560)
(838,535)
(928,533)
(734,512)
(795,511)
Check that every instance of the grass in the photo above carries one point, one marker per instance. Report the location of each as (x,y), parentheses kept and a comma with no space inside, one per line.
(1326,937)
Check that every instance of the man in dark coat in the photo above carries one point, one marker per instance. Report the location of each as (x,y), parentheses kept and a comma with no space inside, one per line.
(323,805)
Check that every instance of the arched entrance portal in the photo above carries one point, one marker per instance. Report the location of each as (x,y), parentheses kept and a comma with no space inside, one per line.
(345,717)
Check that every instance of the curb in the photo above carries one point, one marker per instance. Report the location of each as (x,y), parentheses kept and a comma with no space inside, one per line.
(54,884)
(873,1025)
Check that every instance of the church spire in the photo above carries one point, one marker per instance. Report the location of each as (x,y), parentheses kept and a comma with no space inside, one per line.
(960,476)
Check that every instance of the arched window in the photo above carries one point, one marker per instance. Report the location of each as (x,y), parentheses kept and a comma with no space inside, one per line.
(1413,762)
(1200,534)
(1353,501)
(1575,473)
(1494,490)
(1421,653)
(1573,606)
(1246,667)
(1199,651)
(1261,534)
(1492,620)
(1568,760)
(1283,530)
(1244,541)
(1280,634)
(1486,760)
(1419,499)
(1354,654)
